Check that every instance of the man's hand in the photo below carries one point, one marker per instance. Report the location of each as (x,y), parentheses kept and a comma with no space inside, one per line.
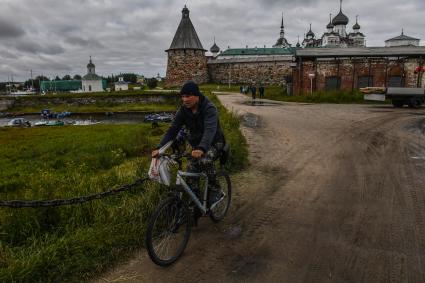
(155,153)
(197,153)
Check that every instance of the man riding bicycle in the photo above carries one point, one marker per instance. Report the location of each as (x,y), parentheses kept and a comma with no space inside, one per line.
(200,117)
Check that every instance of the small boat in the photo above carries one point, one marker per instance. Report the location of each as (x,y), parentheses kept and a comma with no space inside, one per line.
(85,123)
(55,123)
(40,123)
(19,122)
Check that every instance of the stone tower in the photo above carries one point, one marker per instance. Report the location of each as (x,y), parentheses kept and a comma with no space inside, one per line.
(186,56)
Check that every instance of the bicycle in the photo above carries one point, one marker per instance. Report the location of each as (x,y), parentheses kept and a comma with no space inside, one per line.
(170,225)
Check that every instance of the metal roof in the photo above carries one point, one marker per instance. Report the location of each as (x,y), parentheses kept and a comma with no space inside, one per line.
(258,51)
(186,37)
(253,59)
(361,52)
(401,37)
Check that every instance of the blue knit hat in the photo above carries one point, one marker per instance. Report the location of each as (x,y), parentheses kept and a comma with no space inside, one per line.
(190,88)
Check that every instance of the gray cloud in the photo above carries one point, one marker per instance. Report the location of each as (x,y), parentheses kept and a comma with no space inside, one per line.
(57,37)
(8,29)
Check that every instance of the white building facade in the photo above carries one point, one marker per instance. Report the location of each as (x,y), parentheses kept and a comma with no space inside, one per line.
(121,85)
(92,82)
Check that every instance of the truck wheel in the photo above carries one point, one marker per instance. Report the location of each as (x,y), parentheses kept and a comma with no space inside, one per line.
(414,103)
(398,103)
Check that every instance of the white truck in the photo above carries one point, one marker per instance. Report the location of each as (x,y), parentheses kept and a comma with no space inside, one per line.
(399,96)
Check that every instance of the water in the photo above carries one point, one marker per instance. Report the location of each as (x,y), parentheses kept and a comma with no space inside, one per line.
(86,118)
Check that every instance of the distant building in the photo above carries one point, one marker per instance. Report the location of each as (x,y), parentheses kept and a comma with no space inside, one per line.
(336,34)
(402,40)
(60,86)
(92,82)
(121,84)
(337,60)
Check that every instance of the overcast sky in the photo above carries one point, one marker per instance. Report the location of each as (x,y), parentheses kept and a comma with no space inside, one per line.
(54,37)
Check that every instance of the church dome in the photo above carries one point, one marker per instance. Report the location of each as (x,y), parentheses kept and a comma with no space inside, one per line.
(215,48)
(310,33)
(330,25)
(340,19)
(90,64)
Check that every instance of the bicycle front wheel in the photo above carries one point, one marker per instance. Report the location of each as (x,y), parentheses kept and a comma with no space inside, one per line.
(219,210)
(168,231)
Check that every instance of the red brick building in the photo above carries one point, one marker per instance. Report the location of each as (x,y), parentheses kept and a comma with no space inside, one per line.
(352,68)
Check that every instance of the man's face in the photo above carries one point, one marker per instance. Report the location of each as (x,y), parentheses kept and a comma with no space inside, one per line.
(189,101)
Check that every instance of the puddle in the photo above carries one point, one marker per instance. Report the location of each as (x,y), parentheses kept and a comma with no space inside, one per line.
(259,103)
(250,120)
(417,127)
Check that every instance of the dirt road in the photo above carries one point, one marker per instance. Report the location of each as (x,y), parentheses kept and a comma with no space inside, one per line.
(334,193)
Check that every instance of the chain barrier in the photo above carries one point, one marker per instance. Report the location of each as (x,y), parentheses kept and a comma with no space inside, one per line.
(77,200)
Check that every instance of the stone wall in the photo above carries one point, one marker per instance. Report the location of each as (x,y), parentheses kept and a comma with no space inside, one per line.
(6,103)
(350,70)
(267,73)
(184,65)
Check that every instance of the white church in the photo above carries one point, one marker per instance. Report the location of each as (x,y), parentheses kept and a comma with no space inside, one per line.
(92,82)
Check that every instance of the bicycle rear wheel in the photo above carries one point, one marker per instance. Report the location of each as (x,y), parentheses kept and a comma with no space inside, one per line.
(168,231)
(219,210)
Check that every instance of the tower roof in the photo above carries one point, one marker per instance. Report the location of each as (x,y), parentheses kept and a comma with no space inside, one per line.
(356,25)
(90,64)
(340,19)
(330,25)
(214,48)
(310,33)
(402,37)
(186,37)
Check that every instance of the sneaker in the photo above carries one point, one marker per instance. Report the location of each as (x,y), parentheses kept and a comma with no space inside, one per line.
(214,197)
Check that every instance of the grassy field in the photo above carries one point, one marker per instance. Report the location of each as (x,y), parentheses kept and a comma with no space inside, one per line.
(278,93)
(73,243)
(121,101)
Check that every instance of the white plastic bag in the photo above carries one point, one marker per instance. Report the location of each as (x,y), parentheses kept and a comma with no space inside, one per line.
(160,168)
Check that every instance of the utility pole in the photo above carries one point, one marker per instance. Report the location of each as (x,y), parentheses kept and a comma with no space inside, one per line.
(32,82)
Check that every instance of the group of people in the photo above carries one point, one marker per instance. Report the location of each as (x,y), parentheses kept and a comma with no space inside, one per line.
(253,90)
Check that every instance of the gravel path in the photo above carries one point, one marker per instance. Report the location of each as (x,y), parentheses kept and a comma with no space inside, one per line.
(334,193)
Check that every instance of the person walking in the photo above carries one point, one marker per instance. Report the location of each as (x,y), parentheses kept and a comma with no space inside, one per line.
(254,93)
(261,91)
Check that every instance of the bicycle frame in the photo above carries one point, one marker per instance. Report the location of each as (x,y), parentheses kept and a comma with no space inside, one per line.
(180,181)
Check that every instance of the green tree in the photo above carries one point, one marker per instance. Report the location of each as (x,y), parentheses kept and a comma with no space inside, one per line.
(129,77)
(67,78)
(152,83)
(77,77)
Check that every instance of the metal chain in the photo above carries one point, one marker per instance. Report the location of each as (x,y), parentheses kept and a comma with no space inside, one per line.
(77,200)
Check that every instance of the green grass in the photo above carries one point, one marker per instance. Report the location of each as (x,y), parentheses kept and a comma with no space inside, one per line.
(119,103)
(99,94)
(279,94)
(73,243)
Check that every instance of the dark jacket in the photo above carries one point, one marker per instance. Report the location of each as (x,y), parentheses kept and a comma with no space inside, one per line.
(203,126)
